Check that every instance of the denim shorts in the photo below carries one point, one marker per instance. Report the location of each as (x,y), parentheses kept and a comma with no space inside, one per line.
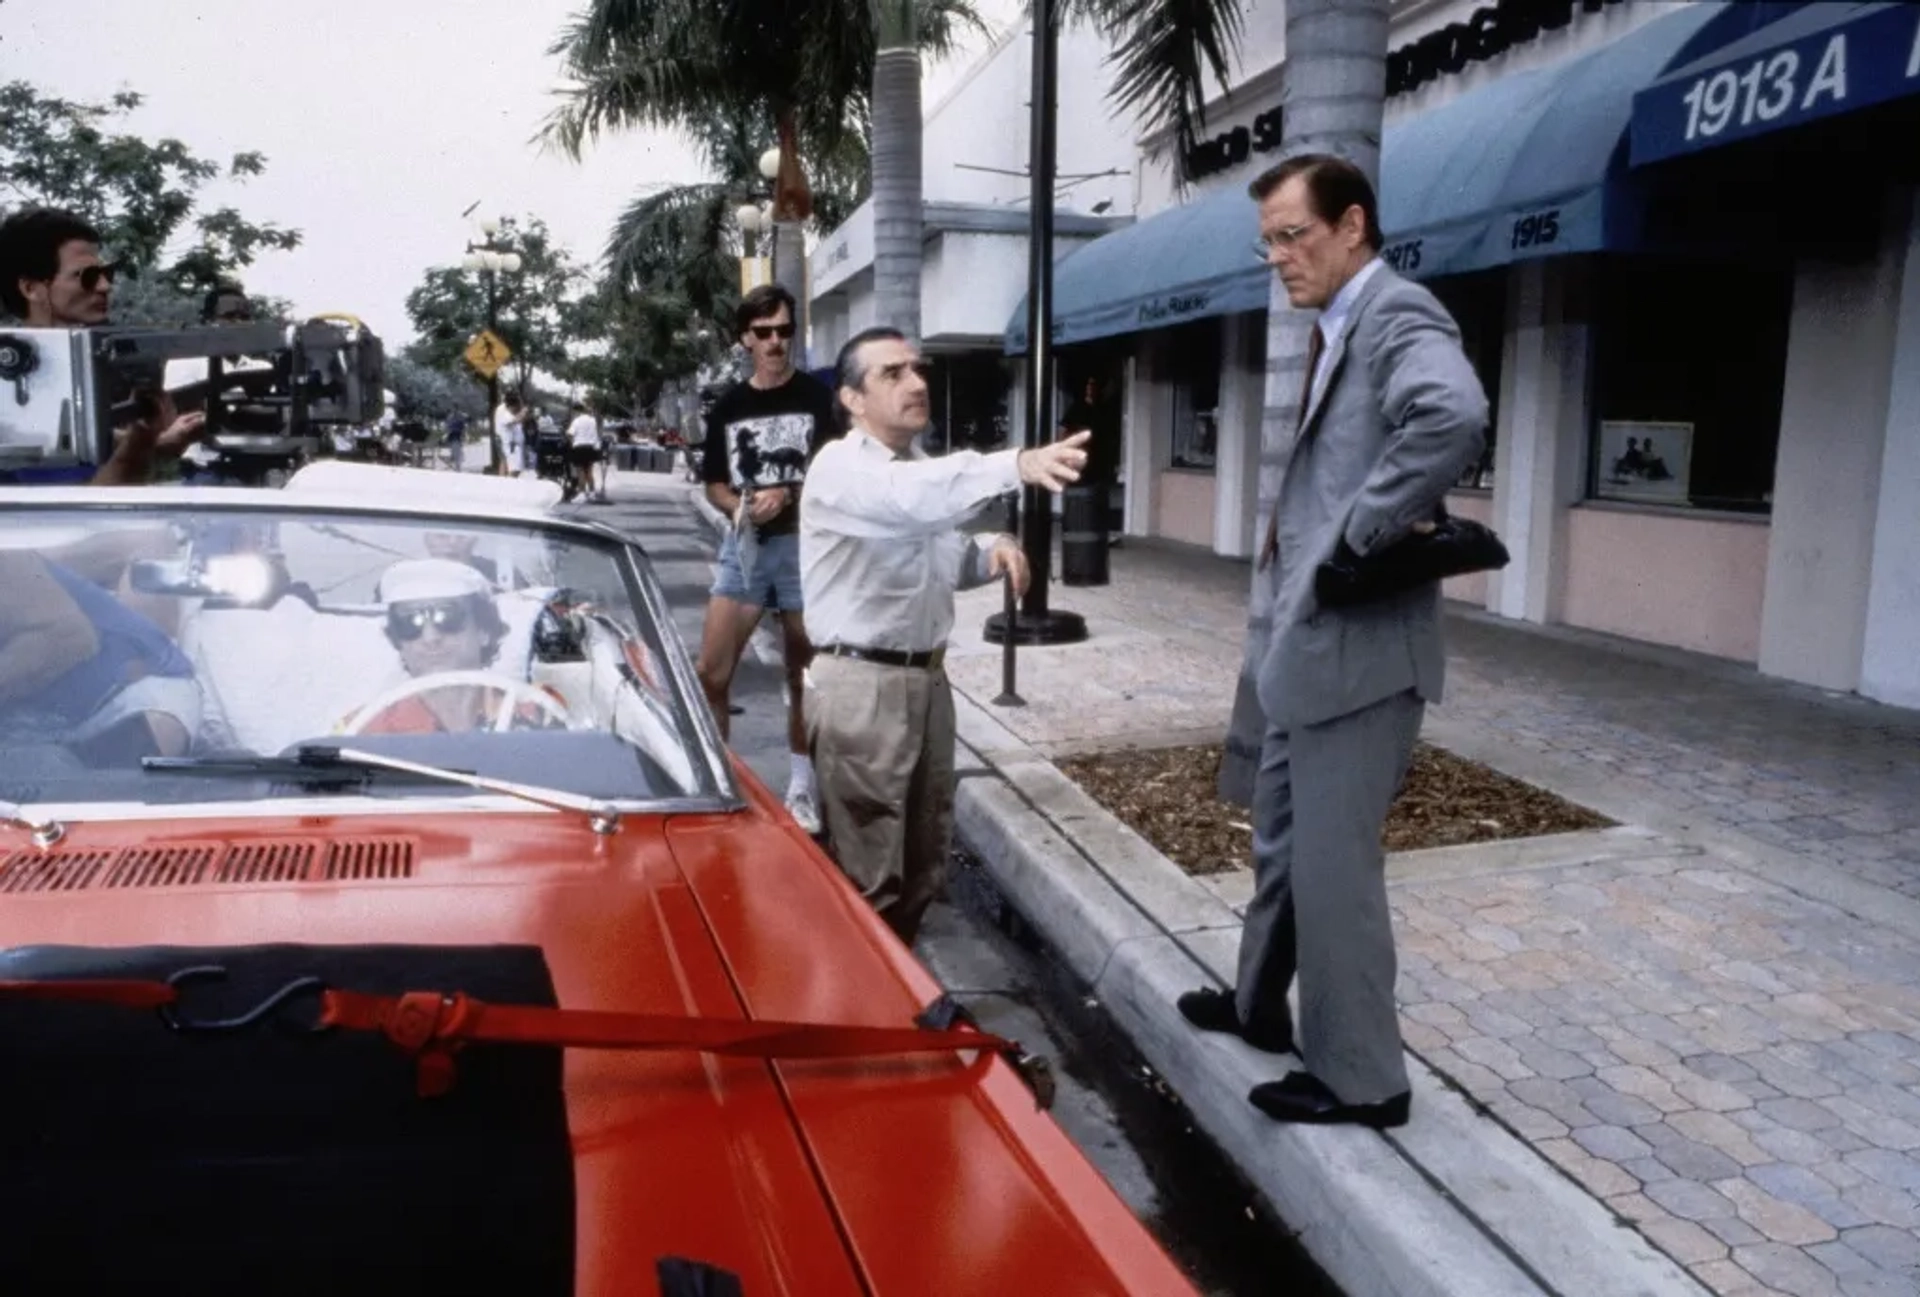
(774,581)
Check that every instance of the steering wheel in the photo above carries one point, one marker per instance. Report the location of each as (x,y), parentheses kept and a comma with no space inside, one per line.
(517,693)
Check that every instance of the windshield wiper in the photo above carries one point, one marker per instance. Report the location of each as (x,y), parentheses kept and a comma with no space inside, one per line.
(327,763)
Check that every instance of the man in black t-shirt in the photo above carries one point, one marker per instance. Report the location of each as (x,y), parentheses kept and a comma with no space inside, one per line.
(761,435)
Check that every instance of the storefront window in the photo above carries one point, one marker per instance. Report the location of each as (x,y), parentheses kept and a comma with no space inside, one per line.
(1194,358)
(969,392)
(1478,304)
(1690,363)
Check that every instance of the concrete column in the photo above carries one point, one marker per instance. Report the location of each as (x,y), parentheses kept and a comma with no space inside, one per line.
(1149,435)
(1539,449)
(1236,472)
(1827,479)
(1890,660)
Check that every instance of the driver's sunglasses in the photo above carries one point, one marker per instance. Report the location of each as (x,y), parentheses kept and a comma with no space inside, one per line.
(765,331)
(91,276)
(409,624)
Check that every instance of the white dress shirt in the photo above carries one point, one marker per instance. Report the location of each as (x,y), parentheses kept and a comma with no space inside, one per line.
(1335,318)
(881,550)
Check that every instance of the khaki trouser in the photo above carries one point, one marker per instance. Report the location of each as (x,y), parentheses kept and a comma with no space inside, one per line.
(882,741)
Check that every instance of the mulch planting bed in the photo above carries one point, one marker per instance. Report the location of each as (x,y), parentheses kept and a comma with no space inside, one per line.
(1166,795)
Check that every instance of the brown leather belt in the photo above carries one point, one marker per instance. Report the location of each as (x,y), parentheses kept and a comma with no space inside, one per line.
(928,661)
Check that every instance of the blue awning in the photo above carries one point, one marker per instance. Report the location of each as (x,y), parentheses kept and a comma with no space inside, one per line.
(1185,263)
(1525,166)
(1530,165)
(1824,60)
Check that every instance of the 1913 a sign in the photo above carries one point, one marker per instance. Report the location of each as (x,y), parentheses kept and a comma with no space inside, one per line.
(1871,58)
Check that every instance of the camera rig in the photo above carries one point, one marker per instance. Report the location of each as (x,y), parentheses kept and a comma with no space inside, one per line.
(267,389)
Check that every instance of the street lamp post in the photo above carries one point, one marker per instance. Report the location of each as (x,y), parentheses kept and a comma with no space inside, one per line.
(1035,622)
(488,258)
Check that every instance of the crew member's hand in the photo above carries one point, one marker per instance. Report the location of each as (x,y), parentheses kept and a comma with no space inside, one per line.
(1007,559)
(767,502)
(177,436)
(1055,467)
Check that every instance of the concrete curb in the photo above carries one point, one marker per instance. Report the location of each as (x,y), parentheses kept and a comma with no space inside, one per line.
(1451,1205)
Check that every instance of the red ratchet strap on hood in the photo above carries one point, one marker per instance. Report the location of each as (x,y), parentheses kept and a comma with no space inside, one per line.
(433,1025)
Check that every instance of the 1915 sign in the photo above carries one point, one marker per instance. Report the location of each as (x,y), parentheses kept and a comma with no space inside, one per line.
(1869,60)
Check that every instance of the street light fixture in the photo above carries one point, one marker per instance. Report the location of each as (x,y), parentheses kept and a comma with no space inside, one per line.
(490,259)
(770,163)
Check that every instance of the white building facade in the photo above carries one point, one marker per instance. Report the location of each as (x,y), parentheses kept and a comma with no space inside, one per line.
(1682,241)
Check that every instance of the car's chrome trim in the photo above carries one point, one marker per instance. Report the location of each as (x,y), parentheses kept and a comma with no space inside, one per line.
(79,814)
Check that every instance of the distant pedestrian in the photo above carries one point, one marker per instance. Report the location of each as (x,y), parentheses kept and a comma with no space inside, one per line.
(881,555)
(509,433)
(761,433)
(1391,414)
(457,440)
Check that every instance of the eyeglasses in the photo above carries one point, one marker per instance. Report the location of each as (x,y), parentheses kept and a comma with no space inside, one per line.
(765,331)
(409,623)
(91,276)
(1288,238)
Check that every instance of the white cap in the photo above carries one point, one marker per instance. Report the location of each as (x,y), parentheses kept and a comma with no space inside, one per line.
(430,578)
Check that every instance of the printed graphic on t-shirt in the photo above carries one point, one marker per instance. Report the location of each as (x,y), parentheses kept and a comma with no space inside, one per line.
(770,450)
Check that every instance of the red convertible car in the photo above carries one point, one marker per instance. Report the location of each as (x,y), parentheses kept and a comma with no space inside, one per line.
(380,912)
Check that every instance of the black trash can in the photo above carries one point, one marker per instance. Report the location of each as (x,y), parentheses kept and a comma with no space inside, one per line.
(1083,534)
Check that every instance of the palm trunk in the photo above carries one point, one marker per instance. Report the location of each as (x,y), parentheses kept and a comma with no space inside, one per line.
(897,211)
(1335,103)
(792,205)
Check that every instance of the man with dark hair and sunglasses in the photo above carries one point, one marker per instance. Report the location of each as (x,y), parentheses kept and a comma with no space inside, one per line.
(52,277)
(761,435)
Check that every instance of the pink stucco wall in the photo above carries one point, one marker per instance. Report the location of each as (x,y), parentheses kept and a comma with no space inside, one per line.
(1471,588)
(1183,507)
(1695,583)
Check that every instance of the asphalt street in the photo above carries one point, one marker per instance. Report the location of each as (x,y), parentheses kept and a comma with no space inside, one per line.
(1109,1103)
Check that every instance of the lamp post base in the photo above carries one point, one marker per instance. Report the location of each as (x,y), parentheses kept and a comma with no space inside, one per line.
(1050,627)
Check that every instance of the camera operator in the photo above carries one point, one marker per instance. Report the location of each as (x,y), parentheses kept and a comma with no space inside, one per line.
(52,277)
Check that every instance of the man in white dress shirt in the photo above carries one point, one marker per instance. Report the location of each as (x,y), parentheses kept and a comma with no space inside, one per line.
(881,554)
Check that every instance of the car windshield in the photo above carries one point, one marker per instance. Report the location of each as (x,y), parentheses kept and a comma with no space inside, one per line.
(524,653)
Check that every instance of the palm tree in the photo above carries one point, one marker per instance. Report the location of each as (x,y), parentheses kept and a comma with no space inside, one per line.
(898,214)
(1335,103)
(803,67)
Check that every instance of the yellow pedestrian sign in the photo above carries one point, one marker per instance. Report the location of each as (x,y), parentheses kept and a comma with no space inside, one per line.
(488,353)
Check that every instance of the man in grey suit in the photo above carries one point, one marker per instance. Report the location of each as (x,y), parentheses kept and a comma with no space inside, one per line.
(1391,415)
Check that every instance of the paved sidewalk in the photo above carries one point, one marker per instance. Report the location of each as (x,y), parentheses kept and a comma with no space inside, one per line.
(1709,1019)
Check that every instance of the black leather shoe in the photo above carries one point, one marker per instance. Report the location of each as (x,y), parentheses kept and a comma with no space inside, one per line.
(1213,1010)
(1303,1097)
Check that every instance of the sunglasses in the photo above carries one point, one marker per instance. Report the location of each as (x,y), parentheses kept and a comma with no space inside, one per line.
(91,277)
(409,624)
(765,331)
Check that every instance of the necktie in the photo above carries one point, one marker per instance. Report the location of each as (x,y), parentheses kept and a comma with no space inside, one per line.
(1315,345)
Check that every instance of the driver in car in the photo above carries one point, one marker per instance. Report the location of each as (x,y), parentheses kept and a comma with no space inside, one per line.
(442,621)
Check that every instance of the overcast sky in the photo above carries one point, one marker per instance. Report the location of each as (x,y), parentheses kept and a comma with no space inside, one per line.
(381,121)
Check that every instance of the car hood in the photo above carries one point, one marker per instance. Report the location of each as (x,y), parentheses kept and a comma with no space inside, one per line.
(921,1176)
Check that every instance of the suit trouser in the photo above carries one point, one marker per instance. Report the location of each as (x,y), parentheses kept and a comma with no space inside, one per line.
(882,742)
(1319,904)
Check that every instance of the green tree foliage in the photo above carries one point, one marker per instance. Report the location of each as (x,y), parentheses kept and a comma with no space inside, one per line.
(537,309)
(144,195)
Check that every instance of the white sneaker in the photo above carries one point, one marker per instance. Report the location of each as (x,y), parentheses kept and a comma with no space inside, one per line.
(804,806)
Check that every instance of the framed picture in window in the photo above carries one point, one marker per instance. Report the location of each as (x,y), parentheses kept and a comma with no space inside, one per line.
(1650,462)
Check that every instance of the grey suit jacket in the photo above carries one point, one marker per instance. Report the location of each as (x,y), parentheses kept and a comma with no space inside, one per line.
(1400,416)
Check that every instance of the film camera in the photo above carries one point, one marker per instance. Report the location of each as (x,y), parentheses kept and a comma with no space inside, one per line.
(267,389)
